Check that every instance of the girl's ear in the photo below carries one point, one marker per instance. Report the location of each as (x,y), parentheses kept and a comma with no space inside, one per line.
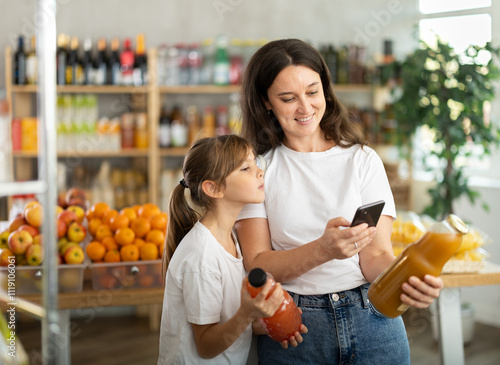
(211,189)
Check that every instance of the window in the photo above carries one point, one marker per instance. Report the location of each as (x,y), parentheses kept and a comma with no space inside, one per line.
(460,23)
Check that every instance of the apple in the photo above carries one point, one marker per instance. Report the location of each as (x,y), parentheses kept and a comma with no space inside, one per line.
(76,232)
(59,209)
(66,247)
(19,241)
(7,257)
(62,241)
(34,215)
(79,211)
(74,255)
(76,196)
(34,255)
(33,231)
(67,216)
(61,228)
(4,239)
(21,260)
(31,203)
(38,239)
(17,222)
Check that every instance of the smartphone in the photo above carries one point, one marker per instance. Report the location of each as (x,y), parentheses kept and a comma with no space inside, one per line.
(369,213)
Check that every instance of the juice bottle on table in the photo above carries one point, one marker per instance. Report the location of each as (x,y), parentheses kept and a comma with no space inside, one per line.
(426,256)
(283,324)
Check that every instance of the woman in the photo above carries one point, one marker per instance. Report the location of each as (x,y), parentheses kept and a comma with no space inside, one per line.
(318,167)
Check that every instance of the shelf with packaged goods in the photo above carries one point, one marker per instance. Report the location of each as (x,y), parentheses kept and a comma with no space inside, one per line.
(173,151)
(85,89)
(132,152)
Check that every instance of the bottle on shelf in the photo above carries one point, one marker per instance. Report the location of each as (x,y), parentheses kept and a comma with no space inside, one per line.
(87,62)
(221,63)
(140,73)
(195,63)
(236,65)
(31,63)
(6,145)
(164,133)
(234,114)
(141,131)
(19,64)
(193,123)
(209,123)
(127,63)
(100,63)
(426,256)
(114,63)
(62,58)
(172,70)
(178,128)
(342,65)
(221,121)
(162,63)
(74,73)
(208,59)
(127,130)
(287,319)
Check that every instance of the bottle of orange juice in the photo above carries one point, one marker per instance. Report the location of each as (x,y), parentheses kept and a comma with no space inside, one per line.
(426,256)
(287,319)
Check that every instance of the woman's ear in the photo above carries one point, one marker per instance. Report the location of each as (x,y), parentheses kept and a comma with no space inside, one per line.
(268,105)
(211,189)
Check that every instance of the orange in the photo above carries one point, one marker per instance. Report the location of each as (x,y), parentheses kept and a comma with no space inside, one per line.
(93,224)
(149,251)
(89,214)
(129,212)
(99,209)
(112,256)
(139,242)
(141,226)
(102,232)
(124,236)
(129,253)
(95,250)
(110,243)
(146,280)
(159,221)
(148,210)
(119,221)
(161,249)
(155,236)
(136,207)
(106,218)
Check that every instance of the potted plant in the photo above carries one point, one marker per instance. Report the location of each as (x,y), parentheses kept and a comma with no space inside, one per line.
(446,92)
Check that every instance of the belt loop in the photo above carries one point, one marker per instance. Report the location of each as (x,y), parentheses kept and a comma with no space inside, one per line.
(364,294)
(295,297)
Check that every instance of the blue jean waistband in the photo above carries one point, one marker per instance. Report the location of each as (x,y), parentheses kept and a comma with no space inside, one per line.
(359,294)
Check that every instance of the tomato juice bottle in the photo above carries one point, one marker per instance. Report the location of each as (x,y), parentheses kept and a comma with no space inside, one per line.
(426,256)
(283,324)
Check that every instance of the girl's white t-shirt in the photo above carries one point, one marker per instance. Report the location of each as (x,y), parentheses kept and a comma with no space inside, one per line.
(304,191)
(203,286)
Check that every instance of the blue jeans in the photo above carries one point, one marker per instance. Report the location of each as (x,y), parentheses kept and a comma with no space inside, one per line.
(344,328)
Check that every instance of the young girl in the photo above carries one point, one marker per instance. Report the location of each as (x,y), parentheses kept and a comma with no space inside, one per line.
(207,312)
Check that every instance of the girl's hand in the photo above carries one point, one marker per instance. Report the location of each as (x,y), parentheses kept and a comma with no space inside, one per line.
(420,294)
(296,338)
(344,243)
(260,307)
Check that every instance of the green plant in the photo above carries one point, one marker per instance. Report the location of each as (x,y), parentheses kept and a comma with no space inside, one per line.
(447,92)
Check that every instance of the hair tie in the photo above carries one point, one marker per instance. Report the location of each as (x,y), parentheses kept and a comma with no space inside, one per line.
(184,184)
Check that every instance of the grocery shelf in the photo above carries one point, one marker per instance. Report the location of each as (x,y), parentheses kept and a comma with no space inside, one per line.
(35,310)
(173,151)
(83,89)
(199,89)
(24,187)
(132,152)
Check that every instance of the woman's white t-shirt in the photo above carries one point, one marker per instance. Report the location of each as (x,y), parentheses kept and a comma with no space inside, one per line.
(202,286)
(304,191)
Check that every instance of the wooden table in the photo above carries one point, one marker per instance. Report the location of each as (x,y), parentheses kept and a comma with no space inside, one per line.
(448,303)
(450,314)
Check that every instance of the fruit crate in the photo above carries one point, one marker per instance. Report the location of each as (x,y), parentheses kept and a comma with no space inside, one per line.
(126,275)
(24,280)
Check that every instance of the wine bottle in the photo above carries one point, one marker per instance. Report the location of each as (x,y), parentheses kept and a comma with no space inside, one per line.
(31,63)
(100,63)
(87,67)
(114,63)
(74,68)
(127,63)
(140,73)
(62,58)
(19,64)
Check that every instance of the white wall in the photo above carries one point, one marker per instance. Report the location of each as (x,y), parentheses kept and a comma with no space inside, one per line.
(333,21)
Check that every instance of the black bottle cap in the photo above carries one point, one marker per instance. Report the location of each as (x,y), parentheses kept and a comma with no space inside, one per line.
(257,277)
